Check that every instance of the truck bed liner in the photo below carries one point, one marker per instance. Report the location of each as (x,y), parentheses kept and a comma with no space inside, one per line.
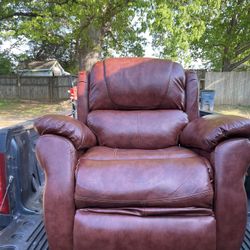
(246,242)
(27,233)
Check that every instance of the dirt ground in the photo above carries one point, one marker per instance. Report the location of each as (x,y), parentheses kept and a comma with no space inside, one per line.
(233,110)
(14,112)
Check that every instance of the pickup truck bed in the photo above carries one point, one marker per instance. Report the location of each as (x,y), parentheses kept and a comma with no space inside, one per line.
(246,242)
(26,232)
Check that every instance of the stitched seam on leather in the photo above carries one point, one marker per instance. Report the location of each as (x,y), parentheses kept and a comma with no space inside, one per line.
(144,212)
(139,202)
(139,159)
(184,198)
(107,86)
(168,86)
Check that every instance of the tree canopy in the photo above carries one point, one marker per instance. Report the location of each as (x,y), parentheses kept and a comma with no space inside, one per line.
(78,32)
(225,43)
(74,30)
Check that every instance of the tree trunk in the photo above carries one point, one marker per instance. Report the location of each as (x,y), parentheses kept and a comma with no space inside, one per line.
(88,59)
(89,50)
(225,60)
(226,66)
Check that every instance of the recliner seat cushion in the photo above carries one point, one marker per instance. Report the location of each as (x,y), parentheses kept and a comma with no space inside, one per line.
(173,177)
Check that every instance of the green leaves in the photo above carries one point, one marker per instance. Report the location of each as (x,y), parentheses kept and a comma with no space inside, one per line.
(226,40)
(177,24)
(5,65)
(216,31)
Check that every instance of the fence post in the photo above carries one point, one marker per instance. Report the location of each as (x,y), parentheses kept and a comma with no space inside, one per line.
(18,86)
(55,88)
(50,83)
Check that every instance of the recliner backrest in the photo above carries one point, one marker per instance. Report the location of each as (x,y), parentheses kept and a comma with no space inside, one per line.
(136,83)
(138,102)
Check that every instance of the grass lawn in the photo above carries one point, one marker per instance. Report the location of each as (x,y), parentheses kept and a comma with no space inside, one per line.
(233,110)
(14,111)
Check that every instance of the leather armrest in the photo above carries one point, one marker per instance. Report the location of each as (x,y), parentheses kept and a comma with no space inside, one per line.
(58,157)
(77,132)
(230,159)
(208,131)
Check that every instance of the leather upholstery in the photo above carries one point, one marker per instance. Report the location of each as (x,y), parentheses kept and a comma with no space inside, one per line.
(137,83)
(208,131)
(231,160)
(144,182)
(192,95)
(143,129)
(79,134)
(59,206)
(133,186)
(125,232)
(153,211)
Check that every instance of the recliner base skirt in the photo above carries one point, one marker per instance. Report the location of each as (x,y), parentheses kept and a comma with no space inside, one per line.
(102,231)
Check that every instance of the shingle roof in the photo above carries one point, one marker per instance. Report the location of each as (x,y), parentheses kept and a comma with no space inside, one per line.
(40,65)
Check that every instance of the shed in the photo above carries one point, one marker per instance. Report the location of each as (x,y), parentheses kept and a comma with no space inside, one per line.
(42,68)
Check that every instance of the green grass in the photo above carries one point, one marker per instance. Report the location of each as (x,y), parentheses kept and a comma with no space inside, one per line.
(14,111)
(5,104)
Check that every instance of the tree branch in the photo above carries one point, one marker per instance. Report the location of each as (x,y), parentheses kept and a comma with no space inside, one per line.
(24,14)
(242,49)
(235,65)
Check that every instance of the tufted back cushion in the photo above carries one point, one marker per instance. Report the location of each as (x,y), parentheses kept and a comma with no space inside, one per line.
(137,83)
(139,102)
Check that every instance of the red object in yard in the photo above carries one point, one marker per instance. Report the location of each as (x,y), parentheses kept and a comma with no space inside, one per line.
(4,204)
(73,93)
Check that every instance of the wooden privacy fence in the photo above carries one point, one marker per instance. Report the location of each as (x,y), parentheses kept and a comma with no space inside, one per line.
(44,89)
(232,88)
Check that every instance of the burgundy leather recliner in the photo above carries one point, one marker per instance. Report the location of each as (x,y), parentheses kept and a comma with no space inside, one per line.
(139,170)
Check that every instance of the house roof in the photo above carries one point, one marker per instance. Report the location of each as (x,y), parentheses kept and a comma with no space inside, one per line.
(43,66)
(39,65)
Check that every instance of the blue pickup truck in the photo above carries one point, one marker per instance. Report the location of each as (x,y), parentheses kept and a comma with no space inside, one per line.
(21,188)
